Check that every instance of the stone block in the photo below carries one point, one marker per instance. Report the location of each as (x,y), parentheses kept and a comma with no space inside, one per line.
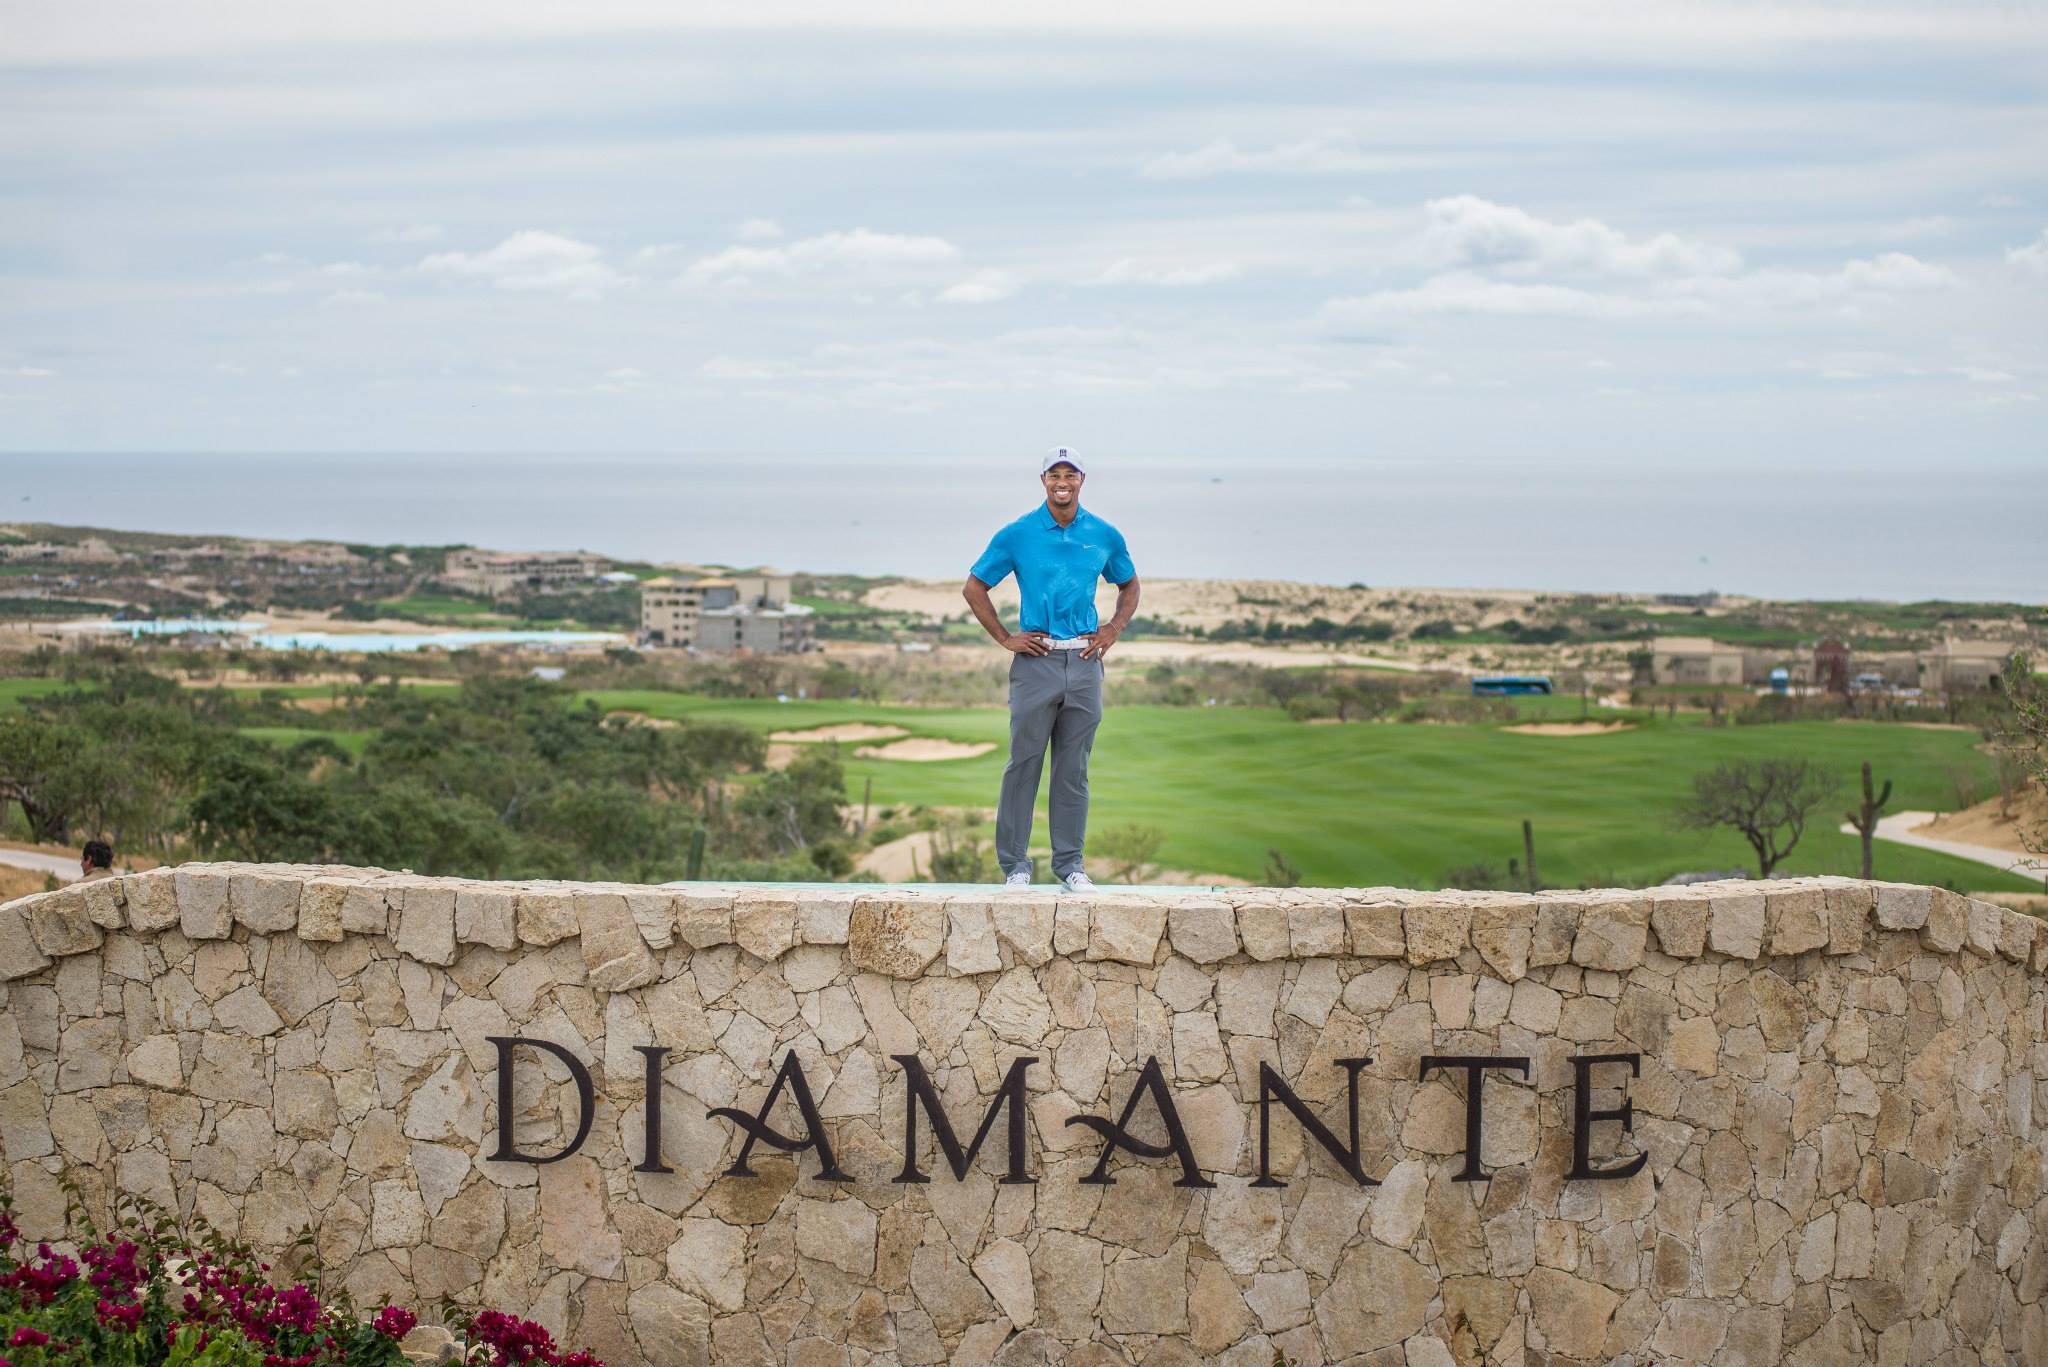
(615,955)
(1070,924)
(105,902)
(203,904)
(426,923)
(1202,929)
(545,918)
(152,899)
(1796,918)
(653,911)
(1680,918)
(1611,935)
(764,924)
(2016,933)
(19,955)
(1315,930)
(1375,930)
(822,918)
(265,902)
(320,902)
(896,936)
(1436,931)
(1903,906)
(1735,924)
(1849,908)
(365,911)
(1025,924)
(1262,928)
(1557,926)
(971,945)
(705,918)
(487,916)
(1504,937)
(1126,929)
(60,923)
(1985,924)
(1948,921)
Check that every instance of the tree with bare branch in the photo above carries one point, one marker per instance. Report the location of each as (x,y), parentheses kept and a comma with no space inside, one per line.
(1864,817)
(1768,801)
(2026,732)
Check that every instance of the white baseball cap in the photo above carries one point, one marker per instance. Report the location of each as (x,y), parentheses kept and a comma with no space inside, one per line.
(1062,455)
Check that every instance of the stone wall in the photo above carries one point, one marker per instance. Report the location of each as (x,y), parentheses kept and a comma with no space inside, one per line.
(1836,1099)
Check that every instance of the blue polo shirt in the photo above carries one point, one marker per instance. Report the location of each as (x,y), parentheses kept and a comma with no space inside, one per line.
(1056,568)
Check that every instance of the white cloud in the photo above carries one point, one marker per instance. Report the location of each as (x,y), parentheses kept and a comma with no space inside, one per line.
(1463,293)
(411,233)
(342,299)
(859,248)
(533,261)
(1467,231)
(656,256)
(2032,257)
(1171,276)
(1924,226)
(1325,154)
(758,230)
(982,287)
(27,372)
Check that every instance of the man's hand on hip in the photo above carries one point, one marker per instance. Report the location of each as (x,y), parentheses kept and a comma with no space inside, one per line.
(1105,637)
(1028,643)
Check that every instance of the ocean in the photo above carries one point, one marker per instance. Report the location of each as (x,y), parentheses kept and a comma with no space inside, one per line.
(1949,533)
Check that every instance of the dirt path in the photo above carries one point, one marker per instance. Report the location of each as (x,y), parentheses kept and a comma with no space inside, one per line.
(1905,828)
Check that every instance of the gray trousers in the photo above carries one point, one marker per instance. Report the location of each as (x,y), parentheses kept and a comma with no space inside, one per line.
(1054,698)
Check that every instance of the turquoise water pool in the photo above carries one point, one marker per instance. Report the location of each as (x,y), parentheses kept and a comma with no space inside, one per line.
(369,642)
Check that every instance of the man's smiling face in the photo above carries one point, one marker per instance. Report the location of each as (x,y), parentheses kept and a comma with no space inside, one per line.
(1062,485)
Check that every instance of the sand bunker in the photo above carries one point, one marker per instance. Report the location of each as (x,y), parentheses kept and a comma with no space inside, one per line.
(923,748)
(845,731)
(1570,728)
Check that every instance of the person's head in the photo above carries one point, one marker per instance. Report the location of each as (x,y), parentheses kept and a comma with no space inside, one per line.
(1062,475)
(98,854)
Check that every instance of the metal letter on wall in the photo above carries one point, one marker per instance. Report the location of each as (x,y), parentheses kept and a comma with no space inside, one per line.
(1475,1066)
(758,1128)
(508,1150)
(1583,1117)
(1272,1088)
(1150,1079)
(921,1092)
(654,1054)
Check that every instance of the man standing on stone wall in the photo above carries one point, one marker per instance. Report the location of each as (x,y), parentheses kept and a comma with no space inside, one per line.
(1057,552)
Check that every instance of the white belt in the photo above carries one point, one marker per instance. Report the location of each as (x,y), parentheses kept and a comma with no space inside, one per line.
(1073,643)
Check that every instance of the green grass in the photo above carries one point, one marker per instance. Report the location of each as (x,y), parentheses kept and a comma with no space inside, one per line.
(12,691)
(1401,804)
(442,607)
(284,737)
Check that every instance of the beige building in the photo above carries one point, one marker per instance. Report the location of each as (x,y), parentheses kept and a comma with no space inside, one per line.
(1695,660)
(1958,665)
(669,613)
(720,615)
(497,573)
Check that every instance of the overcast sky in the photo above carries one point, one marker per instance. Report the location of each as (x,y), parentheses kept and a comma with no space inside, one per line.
(1666,234)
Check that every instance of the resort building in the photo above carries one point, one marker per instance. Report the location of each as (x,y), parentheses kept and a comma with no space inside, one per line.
(1695,660)
(498,573)
(721,615)
(1954,666)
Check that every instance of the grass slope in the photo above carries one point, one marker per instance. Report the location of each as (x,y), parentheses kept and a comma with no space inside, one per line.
(1401,804)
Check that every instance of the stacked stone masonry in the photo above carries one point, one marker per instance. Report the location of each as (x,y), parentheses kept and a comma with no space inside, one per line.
(1838,1095)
